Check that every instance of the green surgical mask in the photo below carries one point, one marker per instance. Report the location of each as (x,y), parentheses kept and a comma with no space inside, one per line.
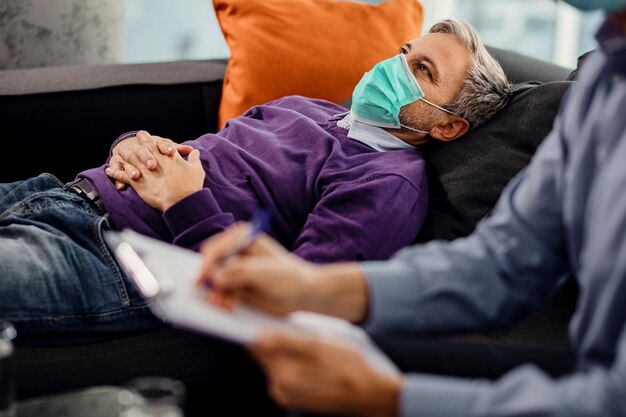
(381,93)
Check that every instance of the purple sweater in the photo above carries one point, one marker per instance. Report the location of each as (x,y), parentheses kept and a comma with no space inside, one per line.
(332,198)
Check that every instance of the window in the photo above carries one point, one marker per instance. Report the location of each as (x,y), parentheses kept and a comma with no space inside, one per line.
(544,29)
(163,30)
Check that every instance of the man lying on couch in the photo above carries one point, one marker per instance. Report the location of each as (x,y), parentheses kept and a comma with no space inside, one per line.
(341,186)
(561,217)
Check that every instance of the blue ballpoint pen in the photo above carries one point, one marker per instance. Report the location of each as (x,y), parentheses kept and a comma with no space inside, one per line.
(259,223)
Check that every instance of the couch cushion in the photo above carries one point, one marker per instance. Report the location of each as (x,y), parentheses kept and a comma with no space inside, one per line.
(314,48)
(466,176)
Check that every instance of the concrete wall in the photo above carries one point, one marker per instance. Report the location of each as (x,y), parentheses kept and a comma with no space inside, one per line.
(36,33)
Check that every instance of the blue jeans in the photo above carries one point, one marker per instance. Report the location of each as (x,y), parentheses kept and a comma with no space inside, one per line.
(58,280)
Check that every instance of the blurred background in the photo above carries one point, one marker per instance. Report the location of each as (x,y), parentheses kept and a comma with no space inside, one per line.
(63,32)
(162,30)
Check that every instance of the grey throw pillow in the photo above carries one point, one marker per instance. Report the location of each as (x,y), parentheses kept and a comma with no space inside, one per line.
(466,176)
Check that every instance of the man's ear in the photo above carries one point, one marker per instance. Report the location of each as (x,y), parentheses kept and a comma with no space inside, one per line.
(450,129)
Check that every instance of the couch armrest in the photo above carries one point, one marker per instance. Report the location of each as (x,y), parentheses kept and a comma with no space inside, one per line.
(63,119)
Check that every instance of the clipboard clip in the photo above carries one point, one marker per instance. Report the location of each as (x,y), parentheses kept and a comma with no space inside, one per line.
(149,284)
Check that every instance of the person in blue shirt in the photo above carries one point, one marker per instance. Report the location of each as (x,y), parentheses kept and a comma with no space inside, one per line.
(562,217)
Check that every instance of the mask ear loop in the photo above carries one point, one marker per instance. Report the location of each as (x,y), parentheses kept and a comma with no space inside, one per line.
(415,130)
(439,107)
(434,105)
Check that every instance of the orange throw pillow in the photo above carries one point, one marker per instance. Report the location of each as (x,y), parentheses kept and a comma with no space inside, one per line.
(313,48)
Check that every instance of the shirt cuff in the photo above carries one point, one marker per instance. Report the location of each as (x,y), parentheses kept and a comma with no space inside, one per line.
(389,310)
(441,396)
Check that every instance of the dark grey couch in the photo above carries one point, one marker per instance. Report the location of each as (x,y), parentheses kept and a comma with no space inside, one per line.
(63,120)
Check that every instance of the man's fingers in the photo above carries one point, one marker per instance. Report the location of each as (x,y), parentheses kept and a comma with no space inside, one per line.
(276,391)
(224,300)
(235,274)
(116,170)
(238,270)
(166,147)
(217,247)
(194,157)
(169,147)
(287,362)
(184,149)
(129,161)
(143,137)
(274,368)
(274,342)
(264,303)
(227,271)
(145,153)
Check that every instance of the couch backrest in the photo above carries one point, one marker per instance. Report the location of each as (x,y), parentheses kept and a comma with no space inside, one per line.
(63,119)
(521,68)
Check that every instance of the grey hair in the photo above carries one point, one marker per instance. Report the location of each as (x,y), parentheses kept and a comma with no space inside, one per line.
(486,89)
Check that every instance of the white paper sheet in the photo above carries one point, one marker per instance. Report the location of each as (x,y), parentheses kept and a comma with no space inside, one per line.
(180,302)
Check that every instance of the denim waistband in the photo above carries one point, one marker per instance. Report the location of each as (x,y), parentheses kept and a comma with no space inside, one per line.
(82,187)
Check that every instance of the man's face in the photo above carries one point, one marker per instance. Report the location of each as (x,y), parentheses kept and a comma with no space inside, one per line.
(439,62)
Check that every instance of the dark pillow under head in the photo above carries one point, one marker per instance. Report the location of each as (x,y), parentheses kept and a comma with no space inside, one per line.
(466,176)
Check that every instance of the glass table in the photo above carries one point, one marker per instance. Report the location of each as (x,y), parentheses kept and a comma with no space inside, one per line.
(99,401)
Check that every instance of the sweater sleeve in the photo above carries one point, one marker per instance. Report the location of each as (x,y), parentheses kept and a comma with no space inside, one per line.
(364,220)
(195,218)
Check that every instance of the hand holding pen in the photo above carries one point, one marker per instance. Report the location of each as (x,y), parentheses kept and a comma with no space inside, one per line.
(243,264)
(259,223)
(225,247)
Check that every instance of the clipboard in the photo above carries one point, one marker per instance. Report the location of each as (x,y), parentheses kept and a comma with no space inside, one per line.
(165,276)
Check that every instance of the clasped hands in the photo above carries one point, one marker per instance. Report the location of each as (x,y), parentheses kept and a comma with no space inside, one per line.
(156,169)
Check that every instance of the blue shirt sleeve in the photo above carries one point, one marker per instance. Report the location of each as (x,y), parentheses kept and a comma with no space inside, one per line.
(525,391)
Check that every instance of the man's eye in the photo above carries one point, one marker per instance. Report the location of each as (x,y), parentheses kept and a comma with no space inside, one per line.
(423,69)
